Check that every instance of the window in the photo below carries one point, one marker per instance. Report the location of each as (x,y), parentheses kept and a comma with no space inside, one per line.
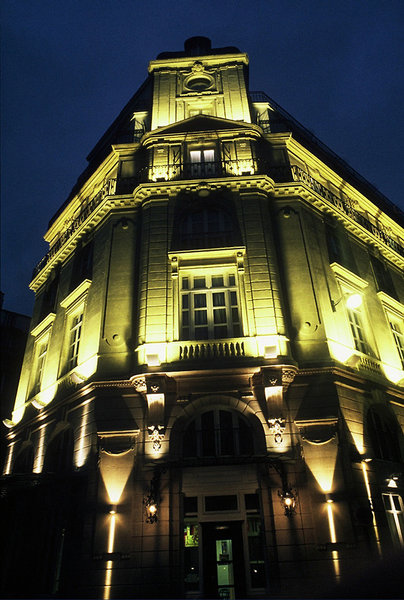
(42,349)
(209,307)
(206,227)
(191,543)
(74,304)
(339,247)
(218,433)
(42,334)
(394,312)
(393,505)
(59,452)
(383,277)
(49,297)
(398,338)
(383,434)
(74,341)
(357,329)
(202,163)
(83,264)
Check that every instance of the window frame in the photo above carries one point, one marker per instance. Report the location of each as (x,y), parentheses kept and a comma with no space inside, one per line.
(217,438)
(205,166)
(360,331)
(42,334)
(75,306)
(396,525)
(394,312)
(210,311)
(206,260)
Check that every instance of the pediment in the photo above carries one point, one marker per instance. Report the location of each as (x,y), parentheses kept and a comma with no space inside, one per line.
(201,123)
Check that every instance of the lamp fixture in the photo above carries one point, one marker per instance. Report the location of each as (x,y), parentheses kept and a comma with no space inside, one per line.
(352,301)
(151,509)
(150,501)
(288,501)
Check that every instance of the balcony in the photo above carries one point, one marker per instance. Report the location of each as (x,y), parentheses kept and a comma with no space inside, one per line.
(206,170)
(346,206)
(203,170)
(210,350)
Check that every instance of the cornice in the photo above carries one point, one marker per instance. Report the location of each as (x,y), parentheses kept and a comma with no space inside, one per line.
(182,62)
(88,190)
(108,204)
(330,176)
(312,198)
(172,188)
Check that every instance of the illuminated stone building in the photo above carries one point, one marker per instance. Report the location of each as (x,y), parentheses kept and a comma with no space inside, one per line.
(211,402)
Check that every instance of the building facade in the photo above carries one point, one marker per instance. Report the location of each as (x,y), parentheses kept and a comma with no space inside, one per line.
(211,402)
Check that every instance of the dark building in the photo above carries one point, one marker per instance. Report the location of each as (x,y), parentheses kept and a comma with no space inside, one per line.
(212,397)
(14,329)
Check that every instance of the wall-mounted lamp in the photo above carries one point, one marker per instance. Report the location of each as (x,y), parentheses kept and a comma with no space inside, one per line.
(328,499)
(150,501)
(288,501)
(352,301)
(112,509)
(151,509)
(392,481)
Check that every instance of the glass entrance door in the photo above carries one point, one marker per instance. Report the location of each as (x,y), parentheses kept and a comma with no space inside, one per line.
(223,560)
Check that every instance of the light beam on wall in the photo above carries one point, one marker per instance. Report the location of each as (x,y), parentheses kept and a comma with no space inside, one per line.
(110,549)
(40,451)
(115,470)
(333,537)
(367,486)
(82,451)
(7,468)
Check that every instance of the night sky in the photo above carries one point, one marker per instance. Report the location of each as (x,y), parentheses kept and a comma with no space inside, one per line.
(69,67)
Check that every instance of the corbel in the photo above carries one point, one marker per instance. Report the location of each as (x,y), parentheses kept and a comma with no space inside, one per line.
(272,383)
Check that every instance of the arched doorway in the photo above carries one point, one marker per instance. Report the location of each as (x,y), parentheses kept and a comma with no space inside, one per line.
(223,543)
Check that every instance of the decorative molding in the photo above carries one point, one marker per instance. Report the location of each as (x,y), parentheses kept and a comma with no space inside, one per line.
(76,296)
(44,325)
(139,383)
(156,436)
(277,427)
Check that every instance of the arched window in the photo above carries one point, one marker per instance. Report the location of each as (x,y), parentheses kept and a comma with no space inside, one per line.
(59,453)
(24,461)
(218,433)
(383,434)
(205,227)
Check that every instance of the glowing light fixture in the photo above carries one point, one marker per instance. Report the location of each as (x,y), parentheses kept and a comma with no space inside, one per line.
(392,481)
(288,500)
(151,509)
(352,301)
(150,501)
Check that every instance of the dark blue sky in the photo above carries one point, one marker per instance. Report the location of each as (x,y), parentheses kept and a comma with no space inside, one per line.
(68,68)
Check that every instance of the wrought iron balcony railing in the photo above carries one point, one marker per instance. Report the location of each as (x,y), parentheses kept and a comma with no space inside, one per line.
(347,206)
(225,168)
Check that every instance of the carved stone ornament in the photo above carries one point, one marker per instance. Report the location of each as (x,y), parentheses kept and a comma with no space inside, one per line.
(277,427)
(139,383)
(156,435)
(288,376)
(198,67)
